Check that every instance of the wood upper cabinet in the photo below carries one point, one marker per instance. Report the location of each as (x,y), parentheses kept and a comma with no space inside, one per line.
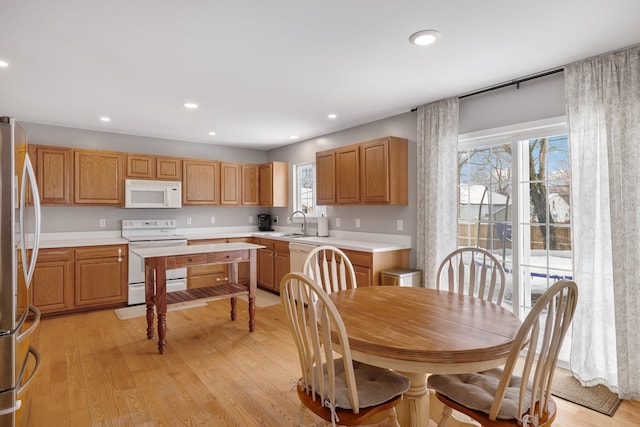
(250,184)
(384,171)
(53,173)
(169,168)
(98,178)
(230,183)
(101,275)
(200,181)
(51,287)
(274,184)
(140,166)
(348,175)
(326,177)
(373,172)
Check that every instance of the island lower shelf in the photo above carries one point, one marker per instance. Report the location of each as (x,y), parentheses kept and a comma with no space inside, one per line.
(209,293)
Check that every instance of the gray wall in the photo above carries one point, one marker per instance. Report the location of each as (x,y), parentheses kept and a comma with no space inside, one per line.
(534,100)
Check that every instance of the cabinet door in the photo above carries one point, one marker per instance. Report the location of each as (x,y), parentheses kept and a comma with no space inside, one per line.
(200,182)
(375,172)
(230,183)
(139,166)
(265,268)
(250,185)
(98,178)
(281,263)
(348,175)
(100,276)
(169,168)
(326,178)
(384,171)
(52,283)
(53,174)
(274,184)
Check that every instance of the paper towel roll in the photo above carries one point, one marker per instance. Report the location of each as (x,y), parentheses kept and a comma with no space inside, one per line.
(323,226)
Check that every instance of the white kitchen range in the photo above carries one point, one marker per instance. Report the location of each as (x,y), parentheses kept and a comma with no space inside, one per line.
(144,233)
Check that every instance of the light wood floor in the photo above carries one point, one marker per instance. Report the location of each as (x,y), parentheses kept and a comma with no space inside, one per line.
(98,370)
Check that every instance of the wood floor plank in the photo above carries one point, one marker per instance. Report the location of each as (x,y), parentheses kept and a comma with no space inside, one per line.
(98,370)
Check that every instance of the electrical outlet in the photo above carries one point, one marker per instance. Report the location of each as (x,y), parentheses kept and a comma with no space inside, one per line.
(357,222)
(251,220)
(103,222)
(213,220)
(399,225)
(337,222)
(275,220)
(188,221)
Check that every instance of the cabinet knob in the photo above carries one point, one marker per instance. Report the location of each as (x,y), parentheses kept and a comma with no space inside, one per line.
(119,254)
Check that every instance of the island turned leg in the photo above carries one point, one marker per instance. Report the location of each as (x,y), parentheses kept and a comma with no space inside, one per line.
(161,303)
(149,291)
(233,307)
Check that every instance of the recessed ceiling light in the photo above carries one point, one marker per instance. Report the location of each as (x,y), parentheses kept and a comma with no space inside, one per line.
(424,37)
(105,119)
(3,64)
(191,105)
(294,137)
(212,133)
(332,116)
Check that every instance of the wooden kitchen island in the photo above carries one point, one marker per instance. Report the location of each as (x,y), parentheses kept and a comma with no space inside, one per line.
(160,259)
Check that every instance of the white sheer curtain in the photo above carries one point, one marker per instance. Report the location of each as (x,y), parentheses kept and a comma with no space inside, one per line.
(437,188)
(603,107)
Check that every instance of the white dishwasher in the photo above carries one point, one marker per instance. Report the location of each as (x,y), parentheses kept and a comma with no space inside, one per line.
(297,254)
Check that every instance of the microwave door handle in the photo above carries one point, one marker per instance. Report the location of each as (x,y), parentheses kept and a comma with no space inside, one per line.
(27,172)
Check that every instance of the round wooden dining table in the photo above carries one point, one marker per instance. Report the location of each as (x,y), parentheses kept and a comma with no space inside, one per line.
(419,331)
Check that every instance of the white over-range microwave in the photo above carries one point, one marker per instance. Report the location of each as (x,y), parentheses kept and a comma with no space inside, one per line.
(139,193)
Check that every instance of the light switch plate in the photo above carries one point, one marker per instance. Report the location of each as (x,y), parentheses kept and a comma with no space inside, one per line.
(188,221)
(251,220)
(337,222)
(213,220)
(357,222)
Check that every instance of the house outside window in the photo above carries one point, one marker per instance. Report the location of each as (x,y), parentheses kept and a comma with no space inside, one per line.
(304,189)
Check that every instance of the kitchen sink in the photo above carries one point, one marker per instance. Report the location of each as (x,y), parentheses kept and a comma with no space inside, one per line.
(294,235)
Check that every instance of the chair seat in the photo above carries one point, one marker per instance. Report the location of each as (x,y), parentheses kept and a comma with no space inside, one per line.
(375,385)
(477,391)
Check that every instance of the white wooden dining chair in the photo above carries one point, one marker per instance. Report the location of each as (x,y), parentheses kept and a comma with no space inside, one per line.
(519,394)
(330,268)
(472,271)
(337,389)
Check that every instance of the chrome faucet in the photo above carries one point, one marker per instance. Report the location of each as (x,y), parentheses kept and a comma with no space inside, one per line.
(303,227)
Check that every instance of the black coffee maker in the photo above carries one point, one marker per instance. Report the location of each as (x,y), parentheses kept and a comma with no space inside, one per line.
(264,222)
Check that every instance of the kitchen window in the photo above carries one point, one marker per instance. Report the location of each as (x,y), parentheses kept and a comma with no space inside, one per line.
(514,200)
(304,189)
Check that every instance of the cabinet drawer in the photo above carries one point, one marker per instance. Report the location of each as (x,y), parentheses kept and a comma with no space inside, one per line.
(269,243)
(45,255)
(359,258)
(100,252)
(281,246)
(228,256)
(206,269)
(186,260)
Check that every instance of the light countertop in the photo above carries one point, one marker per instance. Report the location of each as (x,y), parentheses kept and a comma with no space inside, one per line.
(365,242)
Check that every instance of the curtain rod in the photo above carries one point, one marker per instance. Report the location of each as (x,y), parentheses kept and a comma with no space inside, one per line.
(513,82)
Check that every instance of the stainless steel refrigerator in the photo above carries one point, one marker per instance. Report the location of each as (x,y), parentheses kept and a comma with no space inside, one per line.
(19,240)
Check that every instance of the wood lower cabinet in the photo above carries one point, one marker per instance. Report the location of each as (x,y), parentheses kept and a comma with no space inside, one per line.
(368,265)
(281,262)
(100,275)
(98,178)
(51,287)
(266,267)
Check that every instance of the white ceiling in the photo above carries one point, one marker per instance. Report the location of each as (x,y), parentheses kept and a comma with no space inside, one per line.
(263,70)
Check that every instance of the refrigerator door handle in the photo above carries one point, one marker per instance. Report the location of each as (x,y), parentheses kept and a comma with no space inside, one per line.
(11,410)
(32,327)
(28,172)
(22,386)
